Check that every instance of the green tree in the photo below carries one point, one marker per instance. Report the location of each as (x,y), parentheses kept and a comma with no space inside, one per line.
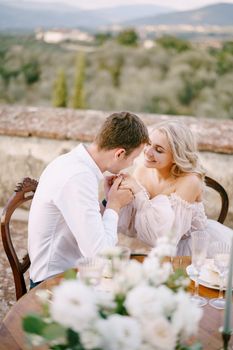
(228,47)
(128,37)
(172,42)
(102,37)
(60,90)
(31,71)
(115,70)
(78,96)
(224,62)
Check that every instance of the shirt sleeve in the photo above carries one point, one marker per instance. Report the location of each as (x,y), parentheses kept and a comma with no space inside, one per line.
(78,202)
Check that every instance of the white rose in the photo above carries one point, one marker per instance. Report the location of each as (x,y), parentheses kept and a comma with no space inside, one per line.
(163,249)
(91,339)
(146,346)
(73,305)
(167,300)
(120,333)
(130,277)
(155,272)
(142,302)
(159,333)
(186,317)
(105,300)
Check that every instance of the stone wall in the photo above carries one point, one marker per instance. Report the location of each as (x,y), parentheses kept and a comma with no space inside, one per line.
(31,137)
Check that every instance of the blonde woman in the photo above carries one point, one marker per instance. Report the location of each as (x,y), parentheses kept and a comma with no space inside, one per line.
(168,190)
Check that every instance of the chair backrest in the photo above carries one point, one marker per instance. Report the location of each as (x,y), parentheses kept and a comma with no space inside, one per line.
(24,192)
(224,197)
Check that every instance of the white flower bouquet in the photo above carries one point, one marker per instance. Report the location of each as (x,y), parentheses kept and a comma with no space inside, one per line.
(147,309)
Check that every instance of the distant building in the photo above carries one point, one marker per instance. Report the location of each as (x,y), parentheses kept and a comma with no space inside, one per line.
(148,44)
(55,36)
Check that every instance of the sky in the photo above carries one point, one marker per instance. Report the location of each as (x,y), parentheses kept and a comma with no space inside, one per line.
(176,4)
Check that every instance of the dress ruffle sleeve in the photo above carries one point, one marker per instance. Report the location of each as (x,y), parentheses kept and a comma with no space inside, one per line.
(147,219)
(163,215)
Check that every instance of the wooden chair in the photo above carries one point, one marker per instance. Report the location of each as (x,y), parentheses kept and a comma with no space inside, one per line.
(24,192)
(224,197)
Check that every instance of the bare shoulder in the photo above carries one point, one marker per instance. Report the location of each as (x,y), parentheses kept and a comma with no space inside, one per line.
(189,187)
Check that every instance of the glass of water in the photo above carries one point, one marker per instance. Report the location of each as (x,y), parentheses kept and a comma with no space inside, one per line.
(220,252)
(90,270)
(116,259)
(200,241)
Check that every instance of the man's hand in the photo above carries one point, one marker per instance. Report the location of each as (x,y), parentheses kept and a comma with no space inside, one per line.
(118,198)
(108,182)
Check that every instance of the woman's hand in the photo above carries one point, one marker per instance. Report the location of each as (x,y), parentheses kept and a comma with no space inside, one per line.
(129,183)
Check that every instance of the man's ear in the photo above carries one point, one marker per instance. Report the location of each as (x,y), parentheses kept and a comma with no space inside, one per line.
(120,153)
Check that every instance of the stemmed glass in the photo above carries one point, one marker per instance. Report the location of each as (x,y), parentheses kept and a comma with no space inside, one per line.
(220,252)
(116,259)
(199,251)
(90,270)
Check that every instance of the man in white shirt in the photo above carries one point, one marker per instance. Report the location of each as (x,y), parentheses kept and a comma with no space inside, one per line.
(65,220)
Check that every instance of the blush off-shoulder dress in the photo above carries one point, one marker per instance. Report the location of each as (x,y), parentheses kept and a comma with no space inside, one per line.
(147,219)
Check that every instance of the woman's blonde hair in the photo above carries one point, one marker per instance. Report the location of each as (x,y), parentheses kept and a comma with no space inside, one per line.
(183,146)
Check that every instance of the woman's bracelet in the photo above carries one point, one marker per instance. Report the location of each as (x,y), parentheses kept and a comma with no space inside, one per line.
(104,202)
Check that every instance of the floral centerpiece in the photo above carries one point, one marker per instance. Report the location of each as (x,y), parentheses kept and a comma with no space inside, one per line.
(148,308)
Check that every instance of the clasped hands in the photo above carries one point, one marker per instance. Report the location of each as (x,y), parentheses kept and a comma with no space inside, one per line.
(121,187)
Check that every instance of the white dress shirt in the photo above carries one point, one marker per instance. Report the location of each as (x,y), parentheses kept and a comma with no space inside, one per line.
(65,222)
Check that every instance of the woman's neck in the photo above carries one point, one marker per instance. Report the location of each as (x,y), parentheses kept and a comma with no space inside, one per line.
(164,174)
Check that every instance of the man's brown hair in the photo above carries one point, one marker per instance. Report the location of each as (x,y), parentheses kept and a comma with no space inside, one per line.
(124,130)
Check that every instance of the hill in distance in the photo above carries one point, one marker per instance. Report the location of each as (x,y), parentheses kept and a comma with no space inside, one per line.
(220,14)
(28,15)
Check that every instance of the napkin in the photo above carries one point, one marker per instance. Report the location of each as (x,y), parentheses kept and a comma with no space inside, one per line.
(209,273)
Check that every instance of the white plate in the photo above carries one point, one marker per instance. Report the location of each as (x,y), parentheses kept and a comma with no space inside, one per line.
(190,272)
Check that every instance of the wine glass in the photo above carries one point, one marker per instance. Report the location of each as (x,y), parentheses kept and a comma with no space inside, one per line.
(116,259)
(220,252)
(199,251)
(90,270)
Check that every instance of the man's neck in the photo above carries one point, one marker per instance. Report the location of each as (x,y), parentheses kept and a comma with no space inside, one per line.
(99,157)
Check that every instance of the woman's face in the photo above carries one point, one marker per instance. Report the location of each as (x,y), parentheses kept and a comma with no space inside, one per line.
(158,153)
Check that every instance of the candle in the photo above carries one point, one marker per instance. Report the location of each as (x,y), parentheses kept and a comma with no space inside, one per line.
(228,306)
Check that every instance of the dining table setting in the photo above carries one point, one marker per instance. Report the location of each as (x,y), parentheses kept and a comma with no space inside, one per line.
(214,324)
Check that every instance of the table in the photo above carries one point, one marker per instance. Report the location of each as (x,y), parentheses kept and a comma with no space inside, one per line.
(12,337)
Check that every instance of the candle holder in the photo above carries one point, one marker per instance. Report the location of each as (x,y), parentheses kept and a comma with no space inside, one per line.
(226,338)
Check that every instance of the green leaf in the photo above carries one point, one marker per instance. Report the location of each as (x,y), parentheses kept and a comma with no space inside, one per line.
(72,337)
(33,324)
(175,280)
(59,347)
(120,307)
(196,346)
(54,331)
(70,274)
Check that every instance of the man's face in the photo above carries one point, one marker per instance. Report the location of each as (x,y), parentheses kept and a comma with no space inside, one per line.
(121,161)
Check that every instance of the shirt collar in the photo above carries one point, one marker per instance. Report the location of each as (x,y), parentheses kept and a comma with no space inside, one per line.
(88,160)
